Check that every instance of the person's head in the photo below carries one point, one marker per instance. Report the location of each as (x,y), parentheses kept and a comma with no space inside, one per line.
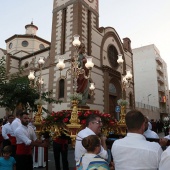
(94,123)
(135,121)
(81,48)
(92,144)
(7,150)
(24,116)
(10,118)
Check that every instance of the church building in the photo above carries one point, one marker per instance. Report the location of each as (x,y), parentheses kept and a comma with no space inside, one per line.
(103,44)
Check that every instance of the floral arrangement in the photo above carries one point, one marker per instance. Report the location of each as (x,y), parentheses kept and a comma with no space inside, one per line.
(39,102)
(63,117)
(122,102)
(76,96)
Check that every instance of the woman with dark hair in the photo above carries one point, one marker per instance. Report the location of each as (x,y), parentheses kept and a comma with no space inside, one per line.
(91,160)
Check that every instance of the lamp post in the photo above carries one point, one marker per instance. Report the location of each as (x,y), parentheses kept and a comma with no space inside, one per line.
(37,84)
(125,79)
(148,98)
(75,71)
(125,83)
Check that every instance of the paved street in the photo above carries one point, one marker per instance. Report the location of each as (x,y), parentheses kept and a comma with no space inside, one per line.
(51,164)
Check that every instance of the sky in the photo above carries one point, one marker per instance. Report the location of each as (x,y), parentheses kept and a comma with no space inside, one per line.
(143,21)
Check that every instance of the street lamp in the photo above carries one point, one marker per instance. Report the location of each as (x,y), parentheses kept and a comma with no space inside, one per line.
(125,83)
(148,98)
(37,84)
(75,70)
(125,79)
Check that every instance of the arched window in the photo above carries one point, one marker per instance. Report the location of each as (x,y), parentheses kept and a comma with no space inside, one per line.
(112,56)
(61,88)
(112,89)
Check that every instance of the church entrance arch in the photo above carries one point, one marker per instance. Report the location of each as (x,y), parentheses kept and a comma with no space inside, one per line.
(114,95)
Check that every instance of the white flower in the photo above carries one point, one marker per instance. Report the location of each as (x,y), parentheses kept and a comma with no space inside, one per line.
(76,96)
(122,102)
(39,102)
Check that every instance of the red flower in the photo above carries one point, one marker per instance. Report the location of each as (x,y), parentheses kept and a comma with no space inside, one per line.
(108,115)
(52,114)
(97,112)
(86,115)
(79,113)
(111,122)
(68,115)
(65,120)
(43,122)
(83,121)
(87,112)
(61,114)
(105,115)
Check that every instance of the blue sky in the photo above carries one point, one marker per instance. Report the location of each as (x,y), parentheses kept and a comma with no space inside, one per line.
(143,21)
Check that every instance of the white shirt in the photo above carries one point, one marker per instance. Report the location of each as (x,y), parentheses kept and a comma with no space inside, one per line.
(15,124)
(80,150)
(6,129)
(25,134)
(150,125)
(133,152)
(150,134)
(87,158)
(167,137)
(31,124)
(165,160)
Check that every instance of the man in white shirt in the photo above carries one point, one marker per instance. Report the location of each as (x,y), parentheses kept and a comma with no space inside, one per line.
(148,132)
(165,160)
(26,138)
(133,151)
(94,125)
(16,122)
(7,131)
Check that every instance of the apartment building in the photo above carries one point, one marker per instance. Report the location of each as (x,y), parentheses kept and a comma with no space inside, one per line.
(151,81)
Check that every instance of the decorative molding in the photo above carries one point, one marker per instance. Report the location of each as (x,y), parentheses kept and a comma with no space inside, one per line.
(111,71)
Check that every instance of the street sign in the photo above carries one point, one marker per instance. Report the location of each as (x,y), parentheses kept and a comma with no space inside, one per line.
(117,109)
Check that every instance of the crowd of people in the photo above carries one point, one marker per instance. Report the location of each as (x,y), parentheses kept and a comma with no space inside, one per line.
(134,151)
(22,150)
(18,140)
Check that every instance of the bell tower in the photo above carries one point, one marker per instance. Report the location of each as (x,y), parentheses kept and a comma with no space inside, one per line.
(72,17)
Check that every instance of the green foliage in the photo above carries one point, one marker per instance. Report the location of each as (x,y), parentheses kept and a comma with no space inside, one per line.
(2,70)
(122,102)
(16,90)
(76,96)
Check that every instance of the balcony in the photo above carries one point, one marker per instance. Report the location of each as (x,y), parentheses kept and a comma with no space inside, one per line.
(161,89)
(159,69)
(159,60)
(160,80)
